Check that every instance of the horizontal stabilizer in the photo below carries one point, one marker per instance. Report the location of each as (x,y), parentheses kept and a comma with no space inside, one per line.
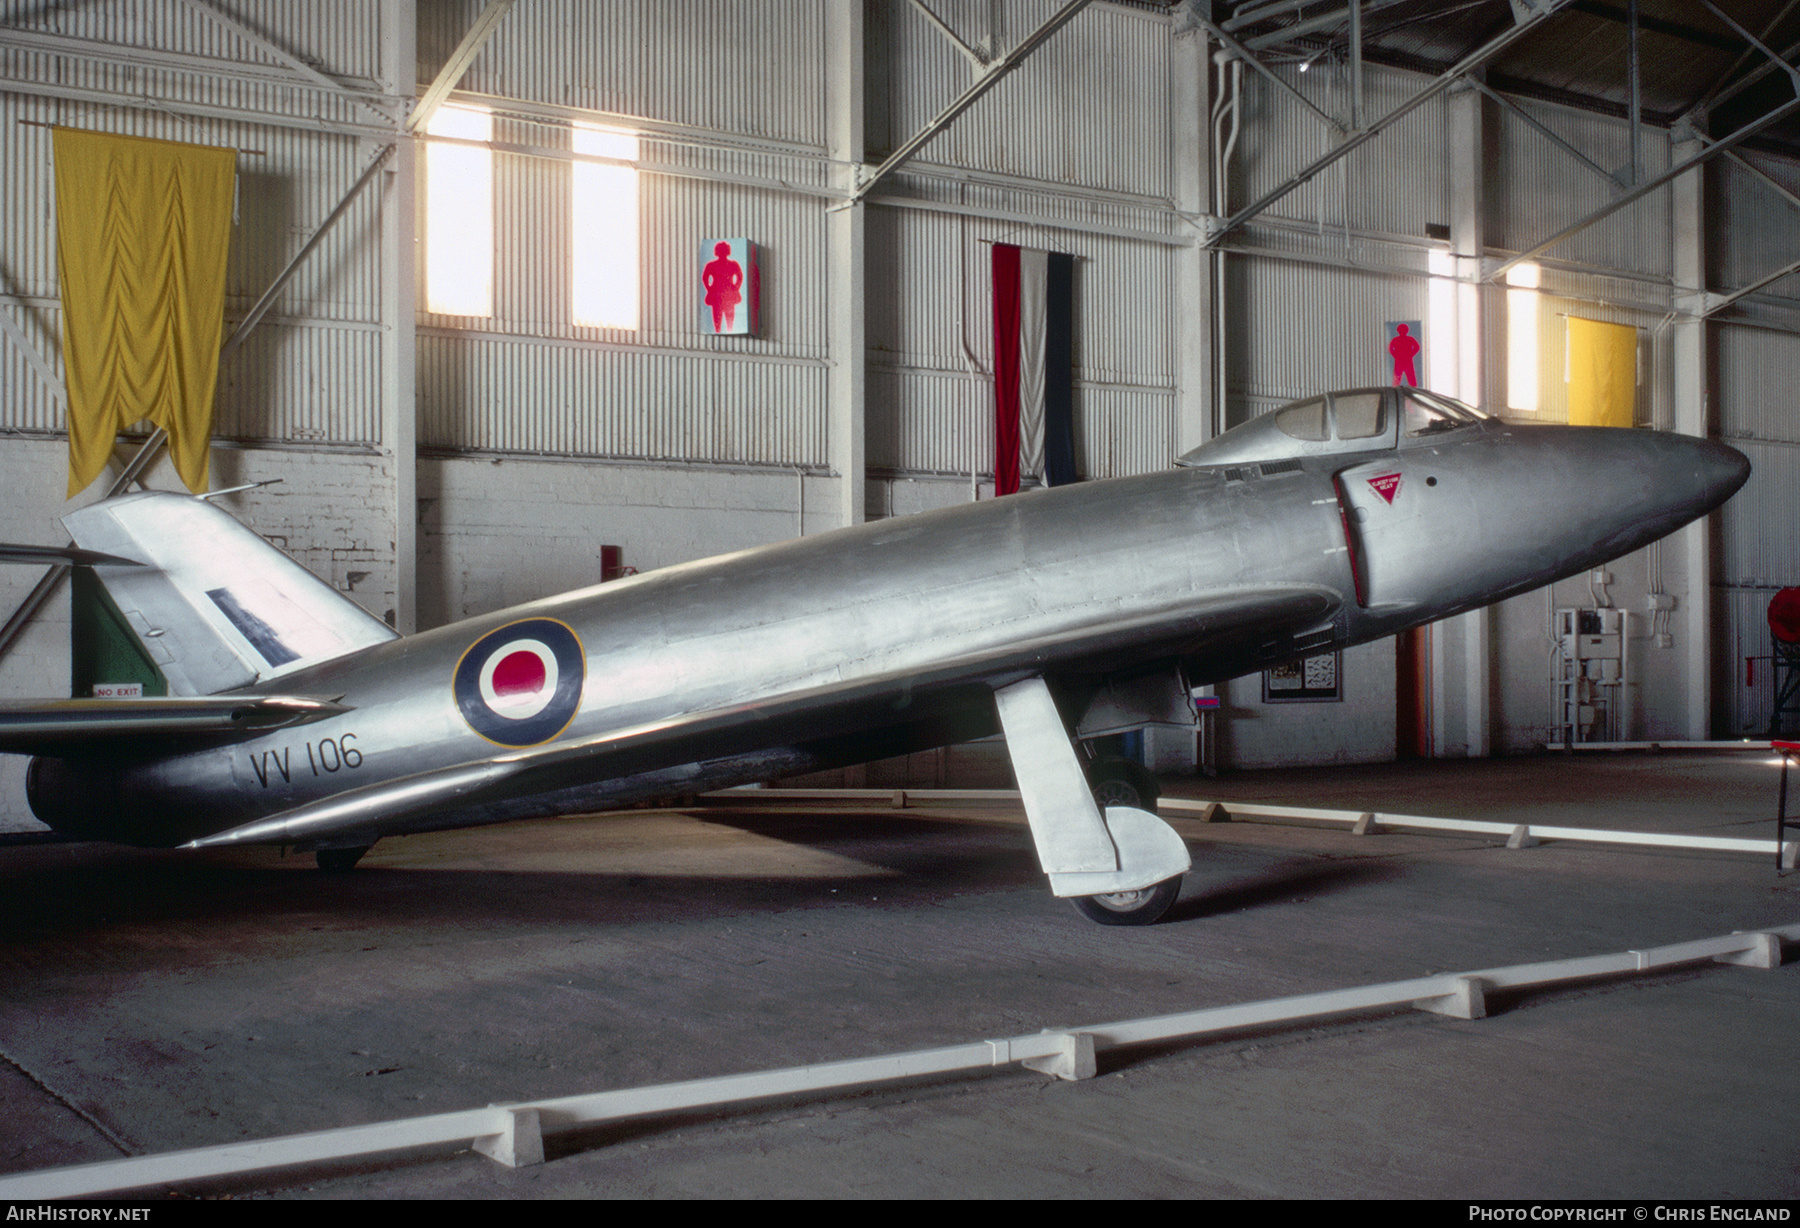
(793,719)
(59,556)
(65,727)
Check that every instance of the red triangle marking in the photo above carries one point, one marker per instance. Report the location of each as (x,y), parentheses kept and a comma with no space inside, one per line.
(1387,486)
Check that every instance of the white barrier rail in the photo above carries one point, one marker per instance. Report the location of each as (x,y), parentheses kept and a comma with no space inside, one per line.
(513,1133)
(1746,744)
(1361,822)
(1518,835)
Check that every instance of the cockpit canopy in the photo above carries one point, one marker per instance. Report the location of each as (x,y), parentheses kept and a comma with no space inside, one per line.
(1356,420)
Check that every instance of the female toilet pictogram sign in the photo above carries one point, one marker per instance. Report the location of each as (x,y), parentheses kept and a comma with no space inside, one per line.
(732,286)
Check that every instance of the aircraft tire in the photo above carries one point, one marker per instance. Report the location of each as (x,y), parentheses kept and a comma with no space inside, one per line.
(1119,782)
(1130,907)
(340,861)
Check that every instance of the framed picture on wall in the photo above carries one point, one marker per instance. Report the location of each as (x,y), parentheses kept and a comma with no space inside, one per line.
(1315,679)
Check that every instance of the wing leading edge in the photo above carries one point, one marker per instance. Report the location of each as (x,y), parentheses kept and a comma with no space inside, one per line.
(68,728)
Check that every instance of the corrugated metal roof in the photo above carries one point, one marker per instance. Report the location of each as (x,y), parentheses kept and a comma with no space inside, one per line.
(1691,59)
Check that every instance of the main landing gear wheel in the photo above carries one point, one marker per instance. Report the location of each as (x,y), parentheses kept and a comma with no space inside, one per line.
(1140,907)
(340,861)
(1119,782)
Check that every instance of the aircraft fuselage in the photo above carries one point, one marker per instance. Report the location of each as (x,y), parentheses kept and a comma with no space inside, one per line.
(1075,582)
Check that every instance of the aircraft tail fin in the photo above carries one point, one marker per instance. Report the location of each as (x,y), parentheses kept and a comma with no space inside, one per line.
(214,605)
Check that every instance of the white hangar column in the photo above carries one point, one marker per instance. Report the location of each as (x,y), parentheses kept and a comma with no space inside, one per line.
(1687,363)
(399,315)
(1197,417)
(1461,647)
(846,255)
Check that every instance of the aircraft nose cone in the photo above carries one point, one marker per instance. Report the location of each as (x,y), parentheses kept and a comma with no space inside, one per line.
(1724,469)
(1619,489)
(1699,473)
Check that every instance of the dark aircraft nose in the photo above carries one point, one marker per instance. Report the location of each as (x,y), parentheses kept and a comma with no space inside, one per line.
(1722,469)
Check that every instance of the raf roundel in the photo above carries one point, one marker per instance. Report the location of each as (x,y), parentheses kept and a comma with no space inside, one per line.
(520,685)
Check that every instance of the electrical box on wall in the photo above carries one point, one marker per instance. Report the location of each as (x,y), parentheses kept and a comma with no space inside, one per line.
(1587,680)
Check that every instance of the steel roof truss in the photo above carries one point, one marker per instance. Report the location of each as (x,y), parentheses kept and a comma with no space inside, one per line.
(1534,15)
(977,57)
(1669,176)
(1249,57)
(993,75)
(1567,147)
(452,72)
(1775,60)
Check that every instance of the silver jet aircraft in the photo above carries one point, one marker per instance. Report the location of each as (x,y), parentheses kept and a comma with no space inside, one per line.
(295,718)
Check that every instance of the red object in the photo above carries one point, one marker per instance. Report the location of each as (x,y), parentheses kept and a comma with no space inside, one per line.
(722,278)
(1404,349)
(1034,371)
(1784,616)
(519,673)
(612,563)
(1006,369)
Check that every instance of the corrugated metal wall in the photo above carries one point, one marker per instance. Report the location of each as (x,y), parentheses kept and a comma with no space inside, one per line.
(744,84)
(930,405)
(1075,152)
(1351,253)
(1089,108)
(309,374)
(740,88)
(1393,185)
(1759,530)
(1352,241)
(1356,235)
(730,101)
(1071,153)
(1537,188)
(1306,327)
(1753,230)
(339,36)
(739,69)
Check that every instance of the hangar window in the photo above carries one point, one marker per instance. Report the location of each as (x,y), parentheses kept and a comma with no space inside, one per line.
(1522,341)
(459,213)
(604,247)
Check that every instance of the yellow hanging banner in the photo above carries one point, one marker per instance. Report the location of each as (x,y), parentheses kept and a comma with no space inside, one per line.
(1602,373)
(142,230)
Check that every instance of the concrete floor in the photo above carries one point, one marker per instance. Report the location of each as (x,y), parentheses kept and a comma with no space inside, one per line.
(151,1001)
